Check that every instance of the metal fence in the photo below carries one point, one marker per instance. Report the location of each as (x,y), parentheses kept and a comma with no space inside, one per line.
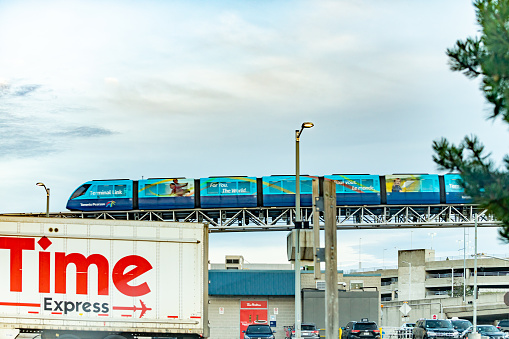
(396,332)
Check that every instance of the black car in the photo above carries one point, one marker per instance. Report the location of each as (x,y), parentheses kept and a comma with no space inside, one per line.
(360,329)
(461,325)
(431,328)
(258,331)
(490,331)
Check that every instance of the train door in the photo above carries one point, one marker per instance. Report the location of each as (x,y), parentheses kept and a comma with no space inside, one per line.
(252,312)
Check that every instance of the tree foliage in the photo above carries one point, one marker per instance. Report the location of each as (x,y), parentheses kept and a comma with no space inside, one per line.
(486,57)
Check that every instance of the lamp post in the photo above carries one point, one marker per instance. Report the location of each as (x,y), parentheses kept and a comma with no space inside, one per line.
(432,236)
(475,335)
(298,225)
(47,197)
(383,258)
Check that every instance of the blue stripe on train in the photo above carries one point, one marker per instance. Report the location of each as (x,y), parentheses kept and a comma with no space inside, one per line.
(155,203)
(358,199)
(286,200)
(402,198)
(457,198)
(228,201)
(122,204)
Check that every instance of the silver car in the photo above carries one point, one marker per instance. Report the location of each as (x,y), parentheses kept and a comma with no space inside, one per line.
(307,330)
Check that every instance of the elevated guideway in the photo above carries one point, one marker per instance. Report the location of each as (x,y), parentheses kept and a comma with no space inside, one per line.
(281,218)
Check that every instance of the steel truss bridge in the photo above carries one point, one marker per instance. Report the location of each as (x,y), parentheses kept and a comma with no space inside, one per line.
(281,218)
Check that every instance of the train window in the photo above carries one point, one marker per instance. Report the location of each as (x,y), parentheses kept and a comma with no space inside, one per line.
(228,187)
(427,185)
(340,186)
(164,189)
(150,190)
(120,190)
(275,187)
(455,184)
(80,191)
(244,187)
(306,186)
(289,185)
(367,184)
(212,188)
(104,191)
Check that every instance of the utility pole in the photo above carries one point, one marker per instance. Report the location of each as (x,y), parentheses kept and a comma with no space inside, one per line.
(316,230)
(331,262)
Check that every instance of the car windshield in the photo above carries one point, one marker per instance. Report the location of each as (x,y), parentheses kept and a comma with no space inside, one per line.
(461,324)
(365,326)
(504,323)
(308,327)
(258,329)
(409,325)
(489,328)
(438,324)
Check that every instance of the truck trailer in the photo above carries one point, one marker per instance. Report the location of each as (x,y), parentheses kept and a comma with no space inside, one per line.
(102,279)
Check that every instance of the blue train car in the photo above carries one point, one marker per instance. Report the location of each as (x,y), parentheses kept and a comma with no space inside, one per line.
(167,193)
(279,190)
(412,189)
(217,192)
(454,193)
(102,195)
(356,189)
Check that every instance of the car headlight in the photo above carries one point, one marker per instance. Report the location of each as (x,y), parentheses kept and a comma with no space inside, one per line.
(431,334)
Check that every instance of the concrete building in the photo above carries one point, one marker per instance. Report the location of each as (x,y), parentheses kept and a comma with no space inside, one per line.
(435,287)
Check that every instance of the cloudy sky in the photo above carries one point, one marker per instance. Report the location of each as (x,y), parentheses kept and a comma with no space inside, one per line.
(125,89)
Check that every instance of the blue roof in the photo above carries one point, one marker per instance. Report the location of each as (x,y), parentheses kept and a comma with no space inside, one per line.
(252,282)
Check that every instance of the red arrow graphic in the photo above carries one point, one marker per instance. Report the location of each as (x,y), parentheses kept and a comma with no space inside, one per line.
(19,304)
(143,308)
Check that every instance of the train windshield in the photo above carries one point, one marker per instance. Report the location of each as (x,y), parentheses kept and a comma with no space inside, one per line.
(80,191)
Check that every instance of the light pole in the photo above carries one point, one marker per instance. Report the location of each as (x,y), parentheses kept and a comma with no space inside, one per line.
(475,335)
(409,278)
(383,258)
(360,265)
(432,236)
(298,226)
(47,197)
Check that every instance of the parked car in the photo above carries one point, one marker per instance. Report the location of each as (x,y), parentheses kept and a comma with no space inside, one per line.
(405,331)
(489,331)
(461,325)
(361,329)
(427,328)
(259,331)
(307,330)
(503,325)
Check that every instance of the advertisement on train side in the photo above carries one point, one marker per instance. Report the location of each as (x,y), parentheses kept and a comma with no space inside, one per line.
(166,187)
(412,183)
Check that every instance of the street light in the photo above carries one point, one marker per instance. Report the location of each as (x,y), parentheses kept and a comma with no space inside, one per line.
(298,225)
(47,197)
(432,235)
(383,258)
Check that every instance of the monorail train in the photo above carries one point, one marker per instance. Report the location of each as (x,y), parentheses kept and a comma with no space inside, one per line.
(269,191)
